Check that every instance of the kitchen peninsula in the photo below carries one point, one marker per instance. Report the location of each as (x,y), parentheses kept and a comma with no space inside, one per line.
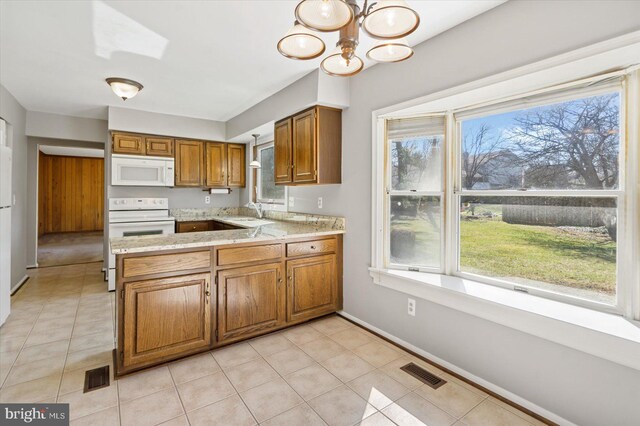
(184,293)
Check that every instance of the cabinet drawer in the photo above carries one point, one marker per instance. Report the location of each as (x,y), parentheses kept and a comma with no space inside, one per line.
(193,226)
(311,247)
(146,265)
(233,256)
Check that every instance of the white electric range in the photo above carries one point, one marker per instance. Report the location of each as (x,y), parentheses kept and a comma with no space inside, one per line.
(136,217)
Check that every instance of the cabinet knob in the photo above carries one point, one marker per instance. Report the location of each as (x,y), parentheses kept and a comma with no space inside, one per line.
(206,293)
(289,277)
(313,247)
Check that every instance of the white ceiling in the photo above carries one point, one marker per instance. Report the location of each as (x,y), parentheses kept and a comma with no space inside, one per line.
(69,151)
(201,59)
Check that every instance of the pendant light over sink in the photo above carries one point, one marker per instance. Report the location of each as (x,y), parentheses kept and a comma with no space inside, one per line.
(255,164)
(386,20)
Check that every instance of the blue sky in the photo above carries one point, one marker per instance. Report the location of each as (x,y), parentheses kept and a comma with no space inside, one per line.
(498,123)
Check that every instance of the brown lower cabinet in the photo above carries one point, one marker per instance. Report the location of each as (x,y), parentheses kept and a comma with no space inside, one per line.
(218,297)
(165,317)
(313,287)
(250,299)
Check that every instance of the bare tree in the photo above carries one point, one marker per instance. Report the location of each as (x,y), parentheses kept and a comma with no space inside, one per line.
(579,136)
(479,148)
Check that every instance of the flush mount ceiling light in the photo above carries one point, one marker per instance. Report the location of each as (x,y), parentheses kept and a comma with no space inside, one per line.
(387,20)
(123,87)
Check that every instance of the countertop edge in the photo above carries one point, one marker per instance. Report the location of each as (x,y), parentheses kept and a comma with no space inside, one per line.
(225,242)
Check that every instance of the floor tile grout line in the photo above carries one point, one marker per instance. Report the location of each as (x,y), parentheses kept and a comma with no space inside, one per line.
(2,385)
(68,346)
(342,383)
(175,386)
(237,393)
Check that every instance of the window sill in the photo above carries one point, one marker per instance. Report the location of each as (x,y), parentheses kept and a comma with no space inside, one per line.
(604,335)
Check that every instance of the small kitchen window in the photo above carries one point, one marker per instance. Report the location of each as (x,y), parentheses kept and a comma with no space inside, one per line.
(265,190)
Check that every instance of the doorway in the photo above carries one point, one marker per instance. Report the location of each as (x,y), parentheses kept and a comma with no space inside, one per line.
(70,205)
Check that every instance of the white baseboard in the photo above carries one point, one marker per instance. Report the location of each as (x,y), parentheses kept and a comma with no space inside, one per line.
(17,286)
(32,266)
(484,383)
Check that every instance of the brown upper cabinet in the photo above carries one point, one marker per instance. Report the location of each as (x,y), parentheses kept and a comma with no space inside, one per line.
(282,149)
(236,172)
(189,163)
(308,147)
(128,144)
(216,164)
(225,165)
(197,163)
(159,146)
(133,144)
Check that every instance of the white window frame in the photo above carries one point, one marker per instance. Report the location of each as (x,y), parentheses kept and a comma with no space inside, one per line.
(267,204)
(619,194)
(389,192)
(531,80)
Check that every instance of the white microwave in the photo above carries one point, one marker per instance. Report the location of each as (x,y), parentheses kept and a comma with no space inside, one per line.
(136,170)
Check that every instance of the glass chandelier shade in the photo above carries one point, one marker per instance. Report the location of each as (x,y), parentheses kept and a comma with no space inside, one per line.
(390,51)
(390,19)
(336,64)
(324,15)
(123,87)
(301,43)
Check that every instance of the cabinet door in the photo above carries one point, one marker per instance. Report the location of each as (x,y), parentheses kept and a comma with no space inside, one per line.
(312,287)
(198,226)
(236,171)
(189,159)
(216,160)
(159,147)
(166,318)
(282,152)
(250,300)
(128,144)
(304,147)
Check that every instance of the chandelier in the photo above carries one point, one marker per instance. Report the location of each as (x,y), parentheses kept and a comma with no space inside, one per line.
(388,21)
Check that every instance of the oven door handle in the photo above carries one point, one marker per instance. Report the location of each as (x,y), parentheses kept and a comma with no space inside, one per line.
(140,224)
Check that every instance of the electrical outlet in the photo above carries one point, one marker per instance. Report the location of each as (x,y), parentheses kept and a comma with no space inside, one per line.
(319,202)
(207,199)
(411,307)
(292,201)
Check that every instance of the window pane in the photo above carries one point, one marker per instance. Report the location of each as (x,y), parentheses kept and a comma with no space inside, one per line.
(415,231)
(562,244)
(267,189)
(416,163)
(567,145)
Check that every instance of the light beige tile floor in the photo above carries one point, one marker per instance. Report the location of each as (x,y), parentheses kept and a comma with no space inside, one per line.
(324,372)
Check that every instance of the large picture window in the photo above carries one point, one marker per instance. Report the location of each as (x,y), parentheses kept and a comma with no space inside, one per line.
(539,191)
(526,194)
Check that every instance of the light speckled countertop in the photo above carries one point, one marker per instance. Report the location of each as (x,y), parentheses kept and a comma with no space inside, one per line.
(288,225)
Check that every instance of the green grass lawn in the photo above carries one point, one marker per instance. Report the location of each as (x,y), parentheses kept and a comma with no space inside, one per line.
(539,253)
(494,248)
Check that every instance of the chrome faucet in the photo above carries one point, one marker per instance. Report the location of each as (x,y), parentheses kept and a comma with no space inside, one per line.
(257,207)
